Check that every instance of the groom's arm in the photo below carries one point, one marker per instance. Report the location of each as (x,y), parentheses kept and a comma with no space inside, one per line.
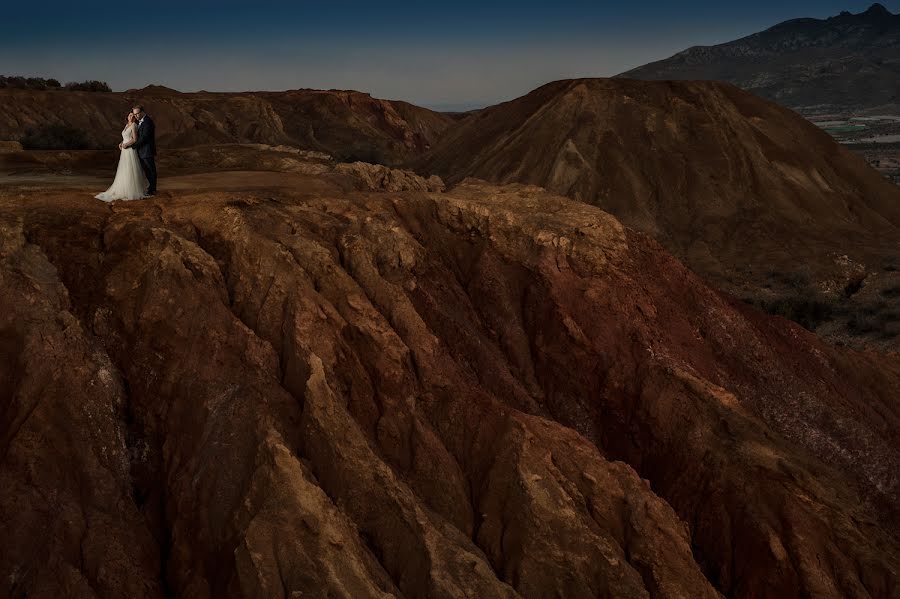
(139,141)
(146,133)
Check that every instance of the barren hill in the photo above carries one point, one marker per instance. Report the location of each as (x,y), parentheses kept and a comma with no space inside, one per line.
(846,62)
(346,124)
(285,386)
(748,193)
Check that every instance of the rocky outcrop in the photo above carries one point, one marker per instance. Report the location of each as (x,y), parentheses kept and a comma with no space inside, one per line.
(374,177)
(10,146)
(487,392)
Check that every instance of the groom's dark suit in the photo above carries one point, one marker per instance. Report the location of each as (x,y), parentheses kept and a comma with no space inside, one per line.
(146,149)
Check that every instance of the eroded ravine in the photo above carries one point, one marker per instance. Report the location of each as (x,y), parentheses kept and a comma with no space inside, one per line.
(380,393)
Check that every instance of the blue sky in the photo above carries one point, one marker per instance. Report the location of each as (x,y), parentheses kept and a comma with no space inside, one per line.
(438,54)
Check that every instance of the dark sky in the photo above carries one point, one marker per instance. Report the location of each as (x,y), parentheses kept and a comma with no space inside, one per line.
(439,54)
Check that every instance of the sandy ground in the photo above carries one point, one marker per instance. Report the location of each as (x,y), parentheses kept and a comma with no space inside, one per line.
(215,181)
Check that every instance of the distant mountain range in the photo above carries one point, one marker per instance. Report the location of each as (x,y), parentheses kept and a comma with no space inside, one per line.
(849,61)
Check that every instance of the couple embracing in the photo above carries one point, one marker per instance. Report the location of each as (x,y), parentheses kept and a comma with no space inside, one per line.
(136,173)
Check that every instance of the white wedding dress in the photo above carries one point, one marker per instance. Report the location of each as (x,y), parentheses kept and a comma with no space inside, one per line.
(130,182)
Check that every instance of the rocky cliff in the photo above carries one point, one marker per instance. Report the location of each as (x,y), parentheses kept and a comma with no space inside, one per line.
(302,389)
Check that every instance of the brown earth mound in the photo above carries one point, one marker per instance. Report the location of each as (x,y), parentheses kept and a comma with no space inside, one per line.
(747,193)
(489,392)
(346,124)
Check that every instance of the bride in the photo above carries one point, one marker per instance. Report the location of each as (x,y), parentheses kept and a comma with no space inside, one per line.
(130,181)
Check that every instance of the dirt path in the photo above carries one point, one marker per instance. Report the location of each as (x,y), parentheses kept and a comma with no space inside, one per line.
(212,181)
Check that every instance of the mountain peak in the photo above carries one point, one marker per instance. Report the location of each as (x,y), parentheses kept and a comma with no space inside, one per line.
(878,10)
(153,89)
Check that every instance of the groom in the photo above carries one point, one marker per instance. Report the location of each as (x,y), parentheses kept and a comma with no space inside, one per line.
(146,146)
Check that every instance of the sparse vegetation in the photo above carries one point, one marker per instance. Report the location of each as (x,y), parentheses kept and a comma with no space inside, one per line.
(799,279)
(29,82)
(801,301)
(804,304)
(55,137)
(807,308)
(88,86)
(19,82)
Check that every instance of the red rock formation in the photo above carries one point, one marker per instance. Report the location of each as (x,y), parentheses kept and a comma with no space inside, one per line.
(490,392)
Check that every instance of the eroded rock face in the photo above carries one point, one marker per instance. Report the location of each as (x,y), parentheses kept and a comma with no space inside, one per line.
(67,515)
(488,392)
(375,177)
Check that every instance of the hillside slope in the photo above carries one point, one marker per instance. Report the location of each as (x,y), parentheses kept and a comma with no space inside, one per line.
(346,124)
(746,192)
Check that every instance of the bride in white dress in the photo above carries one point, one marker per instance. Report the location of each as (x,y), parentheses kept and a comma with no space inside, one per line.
(130,182)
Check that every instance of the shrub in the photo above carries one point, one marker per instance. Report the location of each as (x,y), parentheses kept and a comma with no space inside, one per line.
(41,83)
(55,137)
(88,86)
(29,82)
(805,305)
(807,310)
